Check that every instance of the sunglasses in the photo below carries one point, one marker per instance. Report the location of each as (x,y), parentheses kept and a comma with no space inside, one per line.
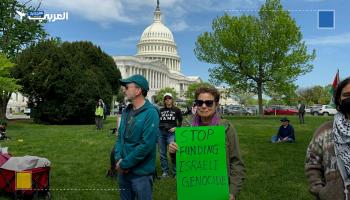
(208,103)
(166,98)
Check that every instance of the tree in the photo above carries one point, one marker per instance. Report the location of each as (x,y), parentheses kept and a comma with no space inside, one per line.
(243,98)
(7,84)
(189,94)
(255,102)
(120,97)
(161,92)
(260,54)
(315,95)
(288,98)
(16,33)
(64,80)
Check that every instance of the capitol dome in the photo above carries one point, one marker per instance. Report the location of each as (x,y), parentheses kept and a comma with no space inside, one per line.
(157,43)
(157,31)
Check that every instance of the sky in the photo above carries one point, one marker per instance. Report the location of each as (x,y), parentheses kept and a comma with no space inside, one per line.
(116,26)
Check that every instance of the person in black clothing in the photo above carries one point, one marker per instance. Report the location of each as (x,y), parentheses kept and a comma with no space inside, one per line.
(121,107)
(170,118)
(285,132)
(301,112)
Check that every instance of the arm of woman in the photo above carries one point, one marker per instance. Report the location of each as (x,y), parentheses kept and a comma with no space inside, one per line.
(236,166)
(313,166)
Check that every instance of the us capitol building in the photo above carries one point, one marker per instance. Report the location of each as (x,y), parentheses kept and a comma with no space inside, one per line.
(157,60)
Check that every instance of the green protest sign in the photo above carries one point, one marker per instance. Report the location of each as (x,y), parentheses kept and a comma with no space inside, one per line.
(201,169)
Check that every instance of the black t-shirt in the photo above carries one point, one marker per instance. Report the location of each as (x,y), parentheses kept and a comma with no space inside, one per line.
(170,117)
(121,108)
(302,108)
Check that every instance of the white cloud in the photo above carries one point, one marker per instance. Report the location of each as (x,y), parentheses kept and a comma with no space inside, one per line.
(314,0)
(139,5)
(128,42)
(94,10)
(106,12)
(210,5)
(131,39)
(179,26)
(182,25)
(341,39)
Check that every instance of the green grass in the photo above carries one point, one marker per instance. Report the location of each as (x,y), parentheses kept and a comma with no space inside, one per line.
(80,158)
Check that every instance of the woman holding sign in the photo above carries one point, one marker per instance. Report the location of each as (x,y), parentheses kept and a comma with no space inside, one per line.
(207,102)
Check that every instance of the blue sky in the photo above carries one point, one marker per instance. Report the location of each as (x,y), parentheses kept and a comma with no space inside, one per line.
(116,26)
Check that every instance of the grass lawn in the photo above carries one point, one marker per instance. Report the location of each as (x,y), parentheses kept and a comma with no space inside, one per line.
(80,158)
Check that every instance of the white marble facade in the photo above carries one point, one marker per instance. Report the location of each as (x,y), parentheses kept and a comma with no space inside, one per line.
(157,60)
(16,104)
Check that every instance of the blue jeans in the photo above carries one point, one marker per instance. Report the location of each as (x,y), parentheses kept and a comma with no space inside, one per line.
(164,139)
(275,139)
(135,187)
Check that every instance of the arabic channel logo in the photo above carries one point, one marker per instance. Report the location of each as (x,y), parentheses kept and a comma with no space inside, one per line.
(40,15)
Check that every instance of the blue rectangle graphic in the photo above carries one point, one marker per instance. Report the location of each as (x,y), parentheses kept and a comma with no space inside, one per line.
(326,19)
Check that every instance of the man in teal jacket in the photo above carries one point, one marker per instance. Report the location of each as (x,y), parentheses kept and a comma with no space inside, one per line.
(135,149)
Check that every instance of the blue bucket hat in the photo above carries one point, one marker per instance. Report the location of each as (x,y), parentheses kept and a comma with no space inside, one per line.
(137,79)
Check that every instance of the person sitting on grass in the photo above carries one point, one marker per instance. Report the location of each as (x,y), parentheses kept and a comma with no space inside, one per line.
(285,132)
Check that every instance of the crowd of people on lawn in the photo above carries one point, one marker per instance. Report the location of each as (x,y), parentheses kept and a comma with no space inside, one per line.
(141,127)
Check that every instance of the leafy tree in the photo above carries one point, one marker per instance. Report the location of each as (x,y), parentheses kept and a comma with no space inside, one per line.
(7,84)
(243,98)
(254,101)
(64,80)
(315,95)
(189,94)
(258,54)
(161,92)
(16,33)
(275,101)
(288,98)
(119,97)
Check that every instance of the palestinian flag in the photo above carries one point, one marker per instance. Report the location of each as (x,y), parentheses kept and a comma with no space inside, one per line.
(334,86)
(335,83)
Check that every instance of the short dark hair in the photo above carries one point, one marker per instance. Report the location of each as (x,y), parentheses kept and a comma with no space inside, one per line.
(144,92)
(208,89)
(338,90)
(98,101)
